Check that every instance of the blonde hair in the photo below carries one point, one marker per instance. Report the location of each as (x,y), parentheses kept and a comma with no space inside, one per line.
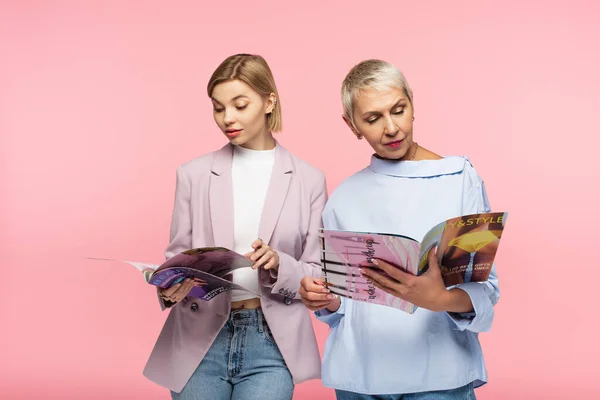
(255,72)
(375,74)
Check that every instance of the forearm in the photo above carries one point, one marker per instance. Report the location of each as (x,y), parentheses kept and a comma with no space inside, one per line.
(458,301)
(288,275)
(483,296)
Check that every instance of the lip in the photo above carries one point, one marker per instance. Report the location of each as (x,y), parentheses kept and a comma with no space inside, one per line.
(233,133)
(395,144)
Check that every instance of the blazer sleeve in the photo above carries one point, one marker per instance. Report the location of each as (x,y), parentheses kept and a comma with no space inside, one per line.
(286,280)
(181,223)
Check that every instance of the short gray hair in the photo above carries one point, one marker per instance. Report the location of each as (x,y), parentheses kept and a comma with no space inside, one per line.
(376,74)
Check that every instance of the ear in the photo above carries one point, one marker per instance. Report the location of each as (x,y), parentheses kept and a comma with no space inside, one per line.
(350,126)
(271,103)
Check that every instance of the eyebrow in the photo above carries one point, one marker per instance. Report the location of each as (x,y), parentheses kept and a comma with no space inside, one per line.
(396,104)
(234,99)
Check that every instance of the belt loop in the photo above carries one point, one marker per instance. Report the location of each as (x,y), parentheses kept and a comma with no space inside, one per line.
(260,320)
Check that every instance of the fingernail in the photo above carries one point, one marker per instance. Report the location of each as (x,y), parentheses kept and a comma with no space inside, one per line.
(329,296)
(362,271)
(374,262)
(325,290)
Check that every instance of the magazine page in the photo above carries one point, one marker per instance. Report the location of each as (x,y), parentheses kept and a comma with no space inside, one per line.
(217,261)
(212,285)
(432,238)
(467,246)
(145,268)
(211,265)
(344,253)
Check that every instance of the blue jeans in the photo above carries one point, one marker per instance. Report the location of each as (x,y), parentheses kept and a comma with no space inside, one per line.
(243,363)
(461,393)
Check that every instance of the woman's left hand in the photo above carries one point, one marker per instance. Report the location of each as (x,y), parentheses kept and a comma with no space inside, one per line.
(425,291)
(263,255)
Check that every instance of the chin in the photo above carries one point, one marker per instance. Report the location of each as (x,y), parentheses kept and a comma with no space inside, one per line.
(391,155)
(237,141)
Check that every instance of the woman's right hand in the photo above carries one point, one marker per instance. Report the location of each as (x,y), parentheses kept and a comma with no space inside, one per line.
(179,291)
(316,296)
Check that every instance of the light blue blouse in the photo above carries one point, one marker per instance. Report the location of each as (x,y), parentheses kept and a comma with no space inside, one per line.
(375,349)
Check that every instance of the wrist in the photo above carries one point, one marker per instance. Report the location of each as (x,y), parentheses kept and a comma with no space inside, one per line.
(446,301)
(277,261)
(334,305)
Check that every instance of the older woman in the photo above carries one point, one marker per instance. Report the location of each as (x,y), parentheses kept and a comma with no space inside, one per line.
(374,350)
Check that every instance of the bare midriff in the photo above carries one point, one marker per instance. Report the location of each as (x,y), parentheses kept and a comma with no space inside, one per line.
(242,304)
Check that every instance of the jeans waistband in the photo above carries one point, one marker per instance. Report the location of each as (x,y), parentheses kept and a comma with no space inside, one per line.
(251,316)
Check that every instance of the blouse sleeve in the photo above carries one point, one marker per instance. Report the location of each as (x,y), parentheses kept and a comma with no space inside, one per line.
(484,295)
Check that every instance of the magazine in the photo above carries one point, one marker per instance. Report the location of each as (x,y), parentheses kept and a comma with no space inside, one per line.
(213,265)
(467,246)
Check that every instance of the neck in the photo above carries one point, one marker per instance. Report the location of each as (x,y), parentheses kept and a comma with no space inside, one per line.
(263,141)
(411,154)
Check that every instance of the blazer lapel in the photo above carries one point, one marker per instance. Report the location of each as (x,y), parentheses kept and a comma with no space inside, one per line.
(276,193)
(221,198)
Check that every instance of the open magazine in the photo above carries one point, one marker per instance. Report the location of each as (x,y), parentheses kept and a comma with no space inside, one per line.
(213,265)
(467,246)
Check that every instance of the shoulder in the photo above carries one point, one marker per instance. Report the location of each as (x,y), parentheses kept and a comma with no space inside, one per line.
(472,178)
(307,172)
(460,167)
(475,199)
(351,184)
(200,165)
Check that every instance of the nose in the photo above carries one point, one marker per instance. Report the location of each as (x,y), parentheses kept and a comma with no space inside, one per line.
(390,129)
(228,118)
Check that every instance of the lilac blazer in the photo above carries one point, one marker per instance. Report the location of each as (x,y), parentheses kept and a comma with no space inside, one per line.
(290,222)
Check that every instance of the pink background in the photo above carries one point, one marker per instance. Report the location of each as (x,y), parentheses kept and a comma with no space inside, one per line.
(100,101)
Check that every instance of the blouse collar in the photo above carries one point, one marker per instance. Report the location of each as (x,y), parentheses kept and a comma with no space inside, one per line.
(418,169)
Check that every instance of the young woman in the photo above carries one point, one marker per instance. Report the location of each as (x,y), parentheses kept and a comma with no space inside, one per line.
(377,352)
(256,198)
